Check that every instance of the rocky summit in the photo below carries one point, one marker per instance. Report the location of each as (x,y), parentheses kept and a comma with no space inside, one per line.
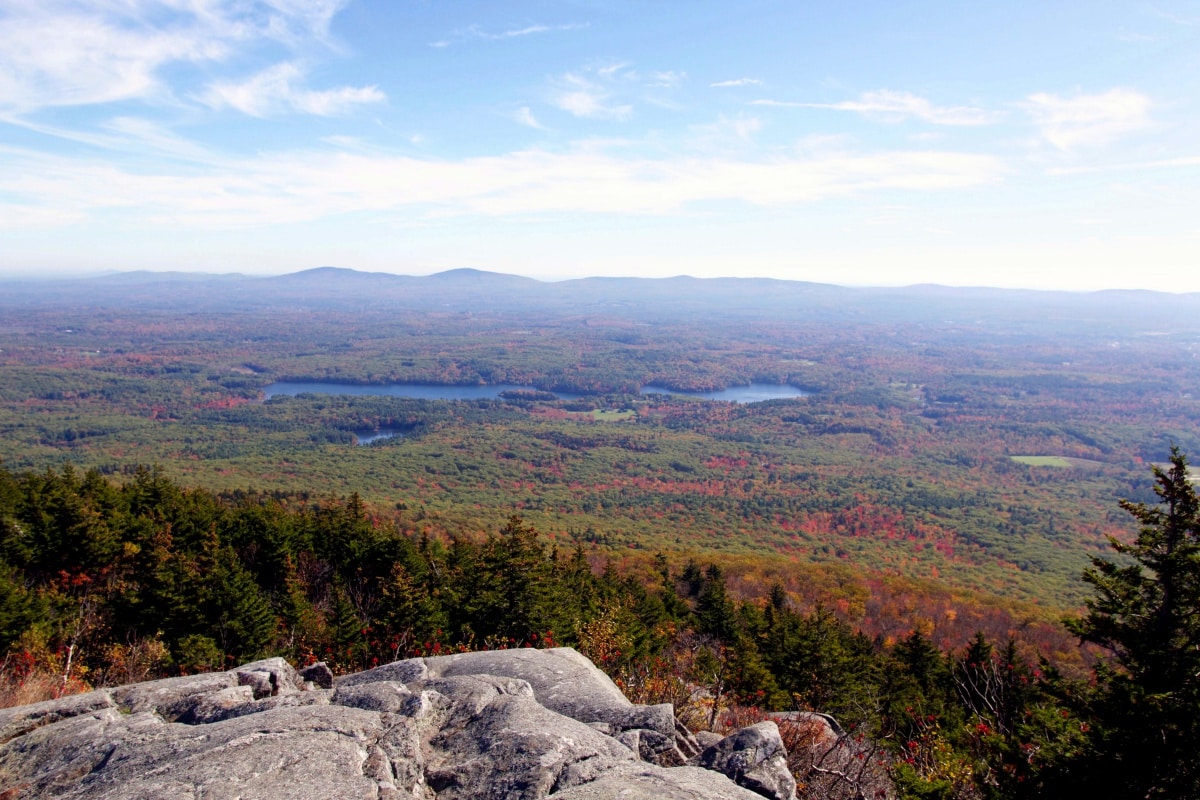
(511,724)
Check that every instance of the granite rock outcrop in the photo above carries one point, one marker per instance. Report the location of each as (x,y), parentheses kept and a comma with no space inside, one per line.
(509,725)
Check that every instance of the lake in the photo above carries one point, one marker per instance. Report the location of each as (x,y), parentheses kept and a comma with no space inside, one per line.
(367,437)
(751,393)
(418,391)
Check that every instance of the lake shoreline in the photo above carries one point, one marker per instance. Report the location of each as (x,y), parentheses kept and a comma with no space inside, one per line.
(749,393)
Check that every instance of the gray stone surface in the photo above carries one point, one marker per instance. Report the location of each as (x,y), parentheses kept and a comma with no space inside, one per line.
(412,669)
(319,673)
(281,676)
(645,782)
(172,694)
(755,758)
(492,726)
(687,743)
(384,696)
(497,741)
(561,679)
(17,721)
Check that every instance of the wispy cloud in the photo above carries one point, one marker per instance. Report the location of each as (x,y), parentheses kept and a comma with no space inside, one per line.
(121,134)
(581,97)
(890,106)
(725,134)
(279,89)
(81,52)
(615,70)
(1186,162)
(736,82)
(668,79)
(1088,120)
(478,33)
(525,117)
(603,91)
(20,217)
(303,186)
(1178,19)
(133,134)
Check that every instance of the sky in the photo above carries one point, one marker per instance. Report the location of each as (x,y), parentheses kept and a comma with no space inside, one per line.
(1030,143)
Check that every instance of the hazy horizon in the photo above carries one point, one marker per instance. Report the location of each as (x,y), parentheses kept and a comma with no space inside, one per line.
(36,278)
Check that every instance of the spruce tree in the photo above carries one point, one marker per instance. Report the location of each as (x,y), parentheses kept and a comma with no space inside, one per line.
(243,619)
(1143,714)
(714,610)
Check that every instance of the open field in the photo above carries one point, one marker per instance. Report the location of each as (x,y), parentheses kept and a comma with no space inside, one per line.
(602,415)
(1042,461)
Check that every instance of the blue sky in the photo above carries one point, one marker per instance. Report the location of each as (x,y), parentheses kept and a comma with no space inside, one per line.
(1029,143)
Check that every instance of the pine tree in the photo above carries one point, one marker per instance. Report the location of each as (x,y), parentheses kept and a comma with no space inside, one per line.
(1144,711)
(714,610)
(244,621)
(521,568)
(410,615)
(347,643)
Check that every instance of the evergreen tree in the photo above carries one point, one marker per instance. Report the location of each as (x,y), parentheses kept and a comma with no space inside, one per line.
(520,566)
(244,621)
(411,616)
(347,645)
(1144,710)
(714,610)
(674,605)
(301,622)
(16,613)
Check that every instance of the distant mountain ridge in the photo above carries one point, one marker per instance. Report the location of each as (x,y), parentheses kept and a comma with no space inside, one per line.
(469,290)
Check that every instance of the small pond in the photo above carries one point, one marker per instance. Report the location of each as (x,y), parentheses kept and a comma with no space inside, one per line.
(751,393)
(383,434)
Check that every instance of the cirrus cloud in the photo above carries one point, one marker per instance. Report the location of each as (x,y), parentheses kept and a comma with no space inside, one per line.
(736,82)
(890,106)
(581,97)
(277,89)
(303,186)
(1088,120)
(478,32)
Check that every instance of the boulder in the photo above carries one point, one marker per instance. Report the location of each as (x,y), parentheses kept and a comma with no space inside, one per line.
(508,725)
(269,677)
(562,680)
(755,758)
(318,674)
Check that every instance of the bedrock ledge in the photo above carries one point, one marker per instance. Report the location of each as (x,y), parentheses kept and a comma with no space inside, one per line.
(508,725)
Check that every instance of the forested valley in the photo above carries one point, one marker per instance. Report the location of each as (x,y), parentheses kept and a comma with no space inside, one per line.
(899,548)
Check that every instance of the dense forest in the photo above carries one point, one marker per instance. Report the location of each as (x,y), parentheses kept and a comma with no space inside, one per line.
(105,583)
(898,548)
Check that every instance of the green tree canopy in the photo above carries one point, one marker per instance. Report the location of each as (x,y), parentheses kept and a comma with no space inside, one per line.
(1145,705)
